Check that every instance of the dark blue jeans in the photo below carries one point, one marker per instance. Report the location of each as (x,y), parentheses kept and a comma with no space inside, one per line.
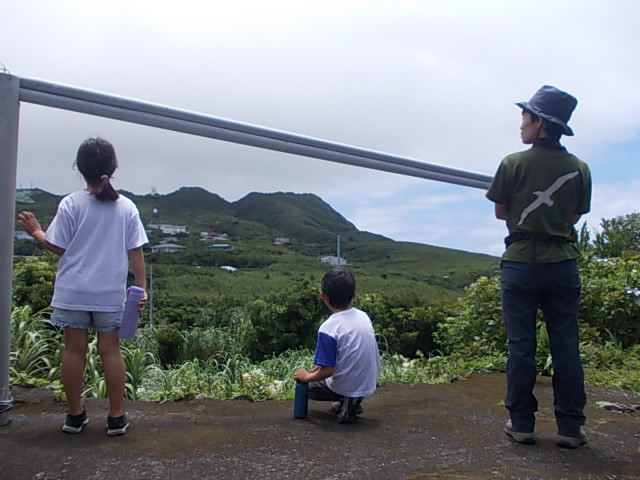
(554,288)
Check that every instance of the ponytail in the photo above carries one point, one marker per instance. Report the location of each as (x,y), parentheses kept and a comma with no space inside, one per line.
(105,191)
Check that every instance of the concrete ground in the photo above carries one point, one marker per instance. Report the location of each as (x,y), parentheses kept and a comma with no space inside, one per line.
(451,431)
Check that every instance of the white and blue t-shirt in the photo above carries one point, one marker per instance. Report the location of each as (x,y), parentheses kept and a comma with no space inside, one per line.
(347,342)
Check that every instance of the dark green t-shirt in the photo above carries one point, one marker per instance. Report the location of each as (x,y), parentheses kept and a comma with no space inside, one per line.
(542,189)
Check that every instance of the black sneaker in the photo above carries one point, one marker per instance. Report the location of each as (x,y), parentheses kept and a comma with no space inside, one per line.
(337,406)
(350,409)
(75,423)
(526,438)
(571,440)
(117,425)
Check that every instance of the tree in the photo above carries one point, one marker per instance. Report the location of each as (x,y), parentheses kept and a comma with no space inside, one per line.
(285,321)
(33,281)
(619,235)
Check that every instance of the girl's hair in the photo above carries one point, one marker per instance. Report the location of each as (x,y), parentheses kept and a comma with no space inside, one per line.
(96,160)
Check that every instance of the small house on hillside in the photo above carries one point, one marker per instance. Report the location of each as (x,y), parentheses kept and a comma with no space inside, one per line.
(167,248)
(213,237)
(22,235)
(333,260)
(281,240)
(169,229)
(222,246)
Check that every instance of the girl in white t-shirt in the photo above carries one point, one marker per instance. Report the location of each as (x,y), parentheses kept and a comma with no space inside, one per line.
(96,232)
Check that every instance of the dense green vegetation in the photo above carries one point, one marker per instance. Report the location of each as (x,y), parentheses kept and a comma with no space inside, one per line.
(251,351)
(190,280)
(227,335)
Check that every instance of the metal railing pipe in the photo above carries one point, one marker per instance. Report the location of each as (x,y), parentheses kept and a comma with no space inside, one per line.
(71,98)
(415,169)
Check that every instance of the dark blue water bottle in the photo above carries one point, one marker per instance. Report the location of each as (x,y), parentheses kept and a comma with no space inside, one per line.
(301,400)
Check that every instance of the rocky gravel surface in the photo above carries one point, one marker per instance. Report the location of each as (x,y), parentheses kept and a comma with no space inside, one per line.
(451,431)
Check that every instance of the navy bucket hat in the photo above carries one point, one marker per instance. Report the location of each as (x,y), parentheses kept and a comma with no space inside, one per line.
(553,105)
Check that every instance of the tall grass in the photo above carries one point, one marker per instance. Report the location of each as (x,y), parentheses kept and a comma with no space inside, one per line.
(36,348)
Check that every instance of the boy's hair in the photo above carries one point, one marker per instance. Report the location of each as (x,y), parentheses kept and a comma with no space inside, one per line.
(554,131)
(96,160)
(339,285)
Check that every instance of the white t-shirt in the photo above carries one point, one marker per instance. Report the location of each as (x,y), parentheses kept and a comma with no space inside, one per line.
(96,236)
(347,342)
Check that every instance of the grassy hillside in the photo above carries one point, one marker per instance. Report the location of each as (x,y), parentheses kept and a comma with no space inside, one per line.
(302,217)
(251,223)
(42,204)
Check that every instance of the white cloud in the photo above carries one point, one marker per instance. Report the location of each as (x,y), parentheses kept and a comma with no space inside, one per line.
(613,200)
(435,81)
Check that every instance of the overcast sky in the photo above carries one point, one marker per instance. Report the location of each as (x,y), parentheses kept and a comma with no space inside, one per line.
(431,80)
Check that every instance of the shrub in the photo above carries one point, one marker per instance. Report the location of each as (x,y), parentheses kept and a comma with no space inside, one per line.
(211,343)
(405,323)
(170,344)
(610,308)
(33,282)
(619,235)
(612,366)
(286,321)
(611,298)
(476,328)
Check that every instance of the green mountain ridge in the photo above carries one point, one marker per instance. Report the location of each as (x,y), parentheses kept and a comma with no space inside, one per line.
(305,217)
(310,224)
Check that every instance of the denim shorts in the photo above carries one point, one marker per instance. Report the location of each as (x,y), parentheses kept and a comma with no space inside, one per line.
(102,322)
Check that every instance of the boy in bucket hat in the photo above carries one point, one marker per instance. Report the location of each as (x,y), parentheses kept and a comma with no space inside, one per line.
(541,194)
(552,105)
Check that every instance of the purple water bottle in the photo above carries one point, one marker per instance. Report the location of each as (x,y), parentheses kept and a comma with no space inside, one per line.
(131,313)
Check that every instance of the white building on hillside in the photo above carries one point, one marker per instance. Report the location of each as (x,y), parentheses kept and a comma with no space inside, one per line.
(213,236)
(221,246)
(169,229)
(167,248)
(22,235)
(281,240)
(333,260)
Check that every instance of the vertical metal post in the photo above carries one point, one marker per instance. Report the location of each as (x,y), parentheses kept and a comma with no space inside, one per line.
(9,113)
(151,293)
(338,250)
